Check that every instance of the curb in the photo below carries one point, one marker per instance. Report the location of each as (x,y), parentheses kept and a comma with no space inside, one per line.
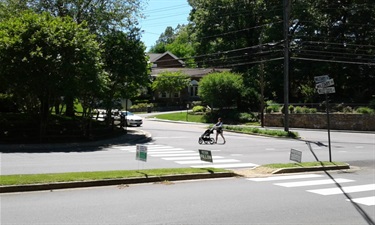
(310,169)
(109,182)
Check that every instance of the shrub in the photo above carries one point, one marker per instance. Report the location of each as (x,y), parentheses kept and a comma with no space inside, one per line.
(364,110)
(313,110)
(272,107)
(347,109)
(247,117)
(298,109)
(291,109)
(199,108)
(141,106)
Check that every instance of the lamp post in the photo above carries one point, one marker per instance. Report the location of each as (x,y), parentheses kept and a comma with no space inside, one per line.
(286,12)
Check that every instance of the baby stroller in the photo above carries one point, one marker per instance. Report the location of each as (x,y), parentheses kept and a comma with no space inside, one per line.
(205,137)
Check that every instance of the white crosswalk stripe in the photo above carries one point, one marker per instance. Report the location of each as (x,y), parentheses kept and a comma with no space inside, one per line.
(188,157)
(288,177)
(369,201)
(227,166)
(315,180)
(191,158)
(350,189)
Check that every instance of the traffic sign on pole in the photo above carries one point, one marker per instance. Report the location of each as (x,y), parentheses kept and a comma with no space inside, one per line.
(320,79)
(324,84)
(326,90)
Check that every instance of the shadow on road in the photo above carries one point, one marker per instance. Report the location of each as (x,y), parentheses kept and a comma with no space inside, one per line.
(130,138)
(366,217)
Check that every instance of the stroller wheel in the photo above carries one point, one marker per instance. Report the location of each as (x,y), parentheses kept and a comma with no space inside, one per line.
(200,141)
(212,141)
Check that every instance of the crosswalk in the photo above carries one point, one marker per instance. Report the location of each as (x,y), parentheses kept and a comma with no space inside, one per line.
(189,158)
(340,186)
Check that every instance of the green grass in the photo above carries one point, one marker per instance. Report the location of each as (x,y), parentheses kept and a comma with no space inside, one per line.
(181,116)
(255,130)
(23,179)
(303,164)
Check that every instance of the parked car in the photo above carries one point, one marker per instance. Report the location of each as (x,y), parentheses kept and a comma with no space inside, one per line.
(131,119)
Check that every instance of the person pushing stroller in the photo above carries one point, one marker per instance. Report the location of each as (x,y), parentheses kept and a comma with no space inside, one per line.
(219,129)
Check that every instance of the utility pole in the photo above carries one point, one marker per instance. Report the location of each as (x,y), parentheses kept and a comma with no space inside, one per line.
(286,12)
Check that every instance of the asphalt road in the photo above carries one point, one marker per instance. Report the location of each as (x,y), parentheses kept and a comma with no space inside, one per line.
(176,145)
(222,201)
(314,198)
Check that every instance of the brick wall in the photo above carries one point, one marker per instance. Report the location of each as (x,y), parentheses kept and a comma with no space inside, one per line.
(360,122)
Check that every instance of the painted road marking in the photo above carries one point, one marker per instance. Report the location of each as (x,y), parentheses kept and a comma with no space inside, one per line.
(215,161)
(289,177)
(350,189)
(369,201)
(227,166)
(314,182)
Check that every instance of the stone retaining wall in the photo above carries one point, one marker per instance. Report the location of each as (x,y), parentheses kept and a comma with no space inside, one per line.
(360,122)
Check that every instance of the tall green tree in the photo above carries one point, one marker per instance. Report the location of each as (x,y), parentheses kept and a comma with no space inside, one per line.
(164,39)
(43,58)
(126,65)
(101,16)
(221,89)
(170,82)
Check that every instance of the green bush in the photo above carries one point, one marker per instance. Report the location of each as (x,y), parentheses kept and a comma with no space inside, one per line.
(141,106)
(247,117)
(347,109)
(298,109)
(365,110)
(291,109)
(313,110)
(199,108)
(272,106)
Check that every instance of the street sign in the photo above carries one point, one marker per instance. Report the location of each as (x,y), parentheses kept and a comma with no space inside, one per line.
(324,84)
(295,155)
(141,153)
(205,155)
(326,90)
(320,79)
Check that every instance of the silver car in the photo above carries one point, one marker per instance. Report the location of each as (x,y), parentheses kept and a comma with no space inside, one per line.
(131,119)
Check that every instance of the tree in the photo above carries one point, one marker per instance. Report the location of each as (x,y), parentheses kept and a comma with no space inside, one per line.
(126,65)
(170,82)
(101,17)
(165,38)
(221,89)
(43,58)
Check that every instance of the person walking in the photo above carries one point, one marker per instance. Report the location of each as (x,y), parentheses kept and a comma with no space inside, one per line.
(219,129)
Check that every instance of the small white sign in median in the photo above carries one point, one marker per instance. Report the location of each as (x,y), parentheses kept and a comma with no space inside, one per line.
(295,155)
(205,155)
(141,153)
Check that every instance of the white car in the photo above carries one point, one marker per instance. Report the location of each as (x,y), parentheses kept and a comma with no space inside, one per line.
(132,120)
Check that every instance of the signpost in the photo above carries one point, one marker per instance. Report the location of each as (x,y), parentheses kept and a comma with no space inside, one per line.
(141,153)
(323,86)
(205,155)
(295,155)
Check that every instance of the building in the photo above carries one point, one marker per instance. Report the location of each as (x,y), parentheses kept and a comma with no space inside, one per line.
(171,63)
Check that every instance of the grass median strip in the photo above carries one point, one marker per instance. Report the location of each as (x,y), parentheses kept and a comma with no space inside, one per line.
(23,179)
(303,164)
(181,116)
